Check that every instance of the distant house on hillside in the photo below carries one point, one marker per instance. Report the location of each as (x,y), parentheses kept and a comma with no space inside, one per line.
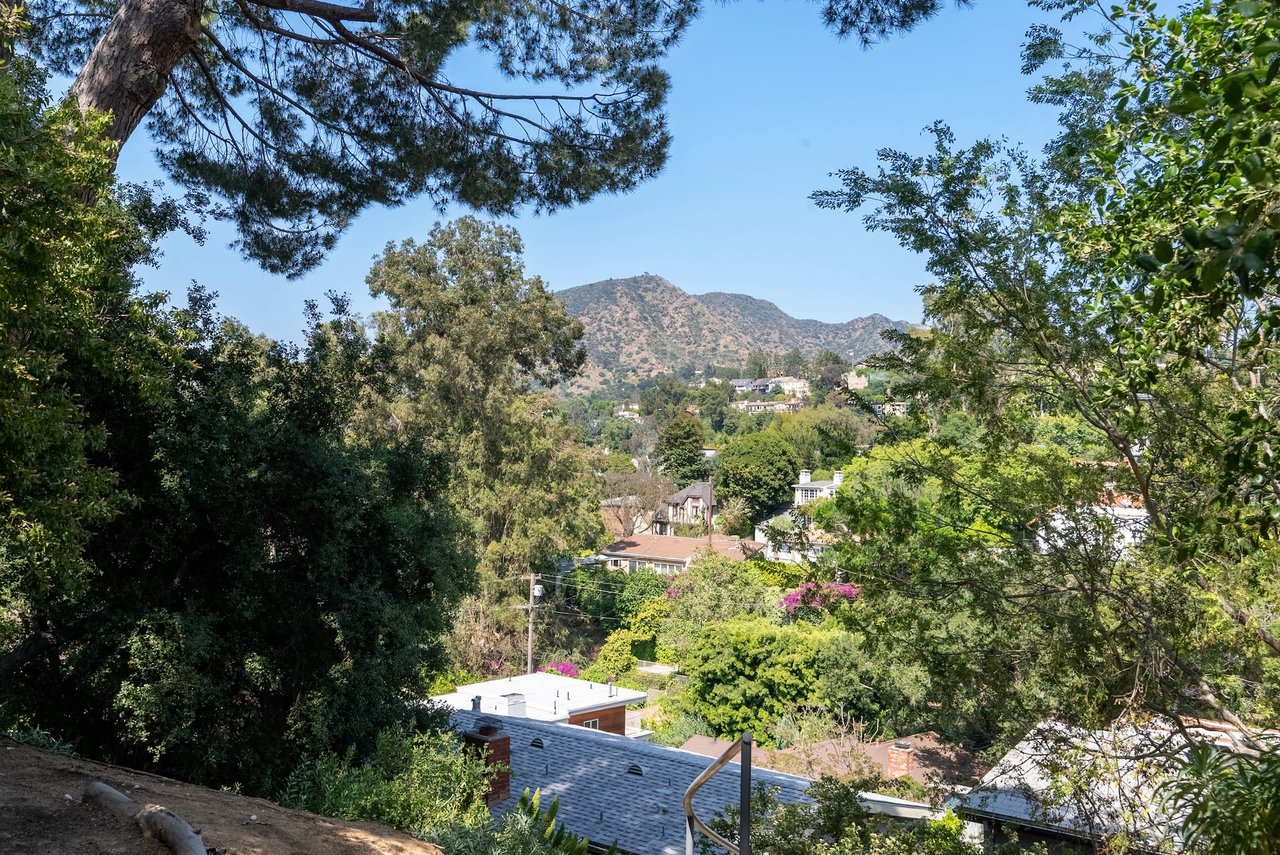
(855,380)
(897,409)
(794,405)
(1117,520)
(741,385)
(793,387)
(623,515)
(809,490)
(687,507)
(664,554)
(792,537)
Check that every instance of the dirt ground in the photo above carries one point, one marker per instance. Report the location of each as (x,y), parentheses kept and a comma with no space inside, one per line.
(41,814)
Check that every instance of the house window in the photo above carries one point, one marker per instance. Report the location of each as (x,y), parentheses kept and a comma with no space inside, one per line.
(593,723)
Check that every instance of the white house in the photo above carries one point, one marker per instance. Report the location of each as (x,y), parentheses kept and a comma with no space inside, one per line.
(1117,520)
(792,537)
(793,387)
(809,490)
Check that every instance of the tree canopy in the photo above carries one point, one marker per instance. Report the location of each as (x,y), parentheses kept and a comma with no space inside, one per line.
(290,117)
(758,468)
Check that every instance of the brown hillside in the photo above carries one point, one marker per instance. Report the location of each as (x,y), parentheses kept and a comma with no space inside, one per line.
(644,325)
(42,815)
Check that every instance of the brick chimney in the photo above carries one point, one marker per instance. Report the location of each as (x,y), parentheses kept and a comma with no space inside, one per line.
(488,739)
(898,763)
(838,477)
(805,476)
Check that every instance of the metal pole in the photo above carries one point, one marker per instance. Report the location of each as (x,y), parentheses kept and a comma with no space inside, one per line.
(532,578)
(711,503)
(744,796)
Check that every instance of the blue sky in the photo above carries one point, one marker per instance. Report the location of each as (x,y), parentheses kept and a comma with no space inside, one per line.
(765,104)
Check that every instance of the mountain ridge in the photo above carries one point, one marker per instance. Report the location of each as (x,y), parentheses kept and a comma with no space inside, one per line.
(640,326)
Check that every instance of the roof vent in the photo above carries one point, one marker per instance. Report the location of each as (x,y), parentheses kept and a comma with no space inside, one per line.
(537,742)
(635,770)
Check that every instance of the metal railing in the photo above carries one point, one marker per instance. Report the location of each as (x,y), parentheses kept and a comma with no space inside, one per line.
(740,746)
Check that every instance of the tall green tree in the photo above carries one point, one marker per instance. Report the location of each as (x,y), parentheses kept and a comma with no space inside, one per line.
(760,469)
(473,343)
(66,314)
(280,577)
(1121,289)
(679,450)
(295,115)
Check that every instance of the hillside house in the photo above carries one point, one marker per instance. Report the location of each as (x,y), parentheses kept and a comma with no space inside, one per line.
(896,409)
(687,507)
(617,790)
(550,698)
(623,515)
(792,537)
(792,387)
(855,381)
(794,405)
(809,490)
(741,385)
(1117,521)
(666,554)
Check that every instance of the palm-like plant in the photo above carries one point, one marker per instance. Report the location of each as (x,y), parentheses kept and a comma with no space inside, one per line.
(1230,802)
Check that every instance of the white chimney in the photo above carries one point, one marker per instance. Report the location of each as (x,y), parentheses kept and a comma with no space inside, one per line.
(805,476)
(839,477)
(514,704)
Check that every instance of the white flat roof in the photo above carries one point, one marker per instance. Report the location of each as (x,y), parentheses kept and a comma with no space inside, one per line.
(547,697)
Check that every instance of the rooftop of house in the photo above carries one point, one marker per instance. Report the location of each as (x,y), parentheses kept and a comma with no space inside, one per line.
(653,547)
(933,760)
(697,490)
(613,789)
(806,481)
(1093,784)
(542,696)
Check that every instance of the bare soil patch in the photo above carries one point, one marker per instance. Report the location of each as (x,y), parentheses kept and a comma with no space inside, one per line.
(41,814)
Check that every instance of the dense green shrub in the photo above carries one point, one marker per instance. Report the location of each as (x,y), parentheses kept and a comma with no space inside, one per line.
(414,782)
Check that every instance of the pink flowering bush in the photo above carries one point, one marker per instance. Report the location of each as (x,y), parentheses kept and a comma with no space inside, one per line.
(565,669)
(812,599)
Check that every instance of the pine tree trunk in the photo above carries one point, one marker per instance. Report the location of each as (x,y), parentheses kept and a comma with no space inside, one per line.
(129,67)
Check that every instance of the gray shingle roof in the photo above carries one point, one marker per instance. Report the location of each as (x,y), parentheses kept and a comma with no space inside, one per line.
(601,799)
(1087,784)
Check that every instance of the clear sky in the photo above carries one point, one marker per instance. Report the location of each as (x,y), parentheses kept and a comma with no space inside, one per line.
(765,103)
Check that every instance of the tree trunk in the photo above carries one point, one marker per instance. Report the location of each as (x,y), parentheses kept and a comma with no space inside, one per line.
(29,648)
(129,67)
(38,644)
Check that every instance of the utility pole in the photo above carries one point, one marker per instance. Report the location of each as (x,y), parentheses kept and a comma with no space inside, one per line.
(711,503)
(533,578)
